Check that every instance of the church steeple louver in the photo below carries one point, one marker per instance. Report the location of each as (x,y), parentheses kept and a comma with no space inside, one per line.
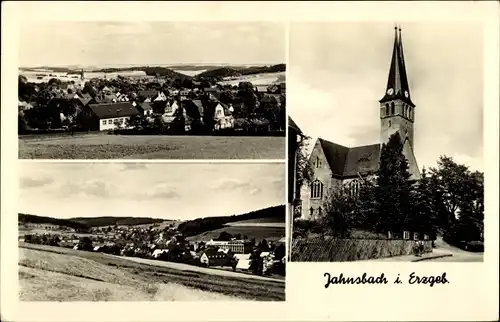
(397,82)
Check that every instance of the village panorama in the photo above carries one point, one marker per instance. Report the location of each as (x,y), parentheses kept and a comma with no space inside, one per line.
(202,104)
(230,254)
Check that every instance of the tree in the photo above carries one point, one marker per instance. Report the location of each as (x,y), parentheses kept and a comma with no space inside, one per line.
(339,213)
(279,252)
(425,216)
(225,236)
(469,222)
(367,217)
(393,192)
(451,182)
(88,88)
(304,169)
(85,243)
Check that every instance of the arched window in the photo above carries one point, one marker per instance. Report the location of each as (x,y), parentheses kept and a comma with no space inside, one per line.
(386,109)
(405,110)
(316,190)
(411,114)
(392,108)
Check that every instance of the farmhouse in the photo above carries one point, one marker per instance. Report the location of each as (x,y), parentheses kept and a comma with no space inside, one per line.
(337,166)
(110,116)
(213,257)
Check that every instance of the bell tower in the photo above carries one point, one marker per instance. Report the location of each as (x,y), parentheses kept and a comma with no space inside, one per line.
(397,111)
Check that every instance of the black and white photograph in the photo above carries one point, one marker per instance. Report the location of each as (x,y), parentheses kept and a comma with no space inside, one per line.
(385,146)
(152,90)
(151,232)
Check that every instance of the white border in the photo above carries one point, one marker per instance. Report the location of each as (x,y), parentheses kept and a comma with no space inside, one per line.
(473,292)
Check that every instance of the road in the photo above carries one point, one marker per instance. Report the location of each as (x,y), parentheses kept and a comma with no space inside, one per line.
(458,255)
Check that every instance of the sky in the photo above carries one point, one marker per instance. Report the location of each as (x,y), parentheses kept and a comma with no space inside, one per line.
(168,190)
(338,73)
(120,43)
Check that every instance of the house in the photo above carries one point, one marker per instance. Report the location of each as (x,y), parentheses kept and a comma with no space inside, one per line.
(219,113)
(158,252)
(108,116)
(145,108)
(261,89)
(160,97)
(23,106)
(213,257)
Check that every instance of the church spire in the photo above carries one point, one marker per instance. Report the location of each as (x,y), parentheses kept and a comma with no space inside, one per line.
(397,83)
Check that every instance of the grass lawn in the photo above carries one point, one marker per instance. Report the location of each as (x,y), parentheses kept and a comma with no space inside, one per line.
(153,147)
(55,273)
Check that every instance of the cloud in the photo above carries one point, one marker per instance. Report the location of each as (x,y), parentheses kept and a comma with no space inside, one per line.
(255,191)
(159,191)
(133,166)
(336,82)
(33,183)
(230,184)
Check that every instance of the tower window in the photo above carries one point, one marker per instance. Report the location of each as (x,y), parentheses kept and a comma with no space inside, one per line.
(386,109)
(317,190)
(392,108)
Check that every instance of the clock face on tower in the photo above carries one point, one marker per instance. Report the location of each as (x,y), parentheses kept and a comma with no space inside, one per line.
(390,91)
(406,94)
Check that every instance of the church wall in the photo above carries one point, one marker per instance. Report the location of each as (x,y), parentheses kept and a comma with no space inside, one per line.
(390,125)
(322,173)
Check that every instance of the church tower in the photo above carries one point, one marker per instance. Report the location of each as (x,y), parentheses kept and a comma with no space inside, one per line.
(397,111)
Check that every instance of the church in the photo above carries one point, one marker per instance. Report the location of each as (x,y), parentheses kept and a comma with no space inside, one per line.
(335,165)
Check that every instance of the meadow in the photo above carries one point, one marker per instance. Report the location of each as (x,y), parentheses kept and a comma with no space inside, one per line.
(57,274)
(152,147)
(259,232)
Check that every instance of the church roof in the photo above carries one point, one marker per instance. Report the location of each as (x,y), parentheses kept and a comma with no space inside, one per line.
(348,162)
(362,159)
(335,154)
(397,82)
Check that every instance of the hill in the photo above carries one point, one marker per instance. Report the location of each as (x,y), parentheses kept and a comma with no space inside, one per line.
(111,221)
(150,71)
(201,225)
(26,218)
(220,73)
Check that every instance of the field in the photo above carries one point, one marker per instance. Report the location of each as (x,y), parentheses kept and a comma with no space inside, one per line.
(260,222)
(257,232)
(152,147)
(256,79)
(58,274)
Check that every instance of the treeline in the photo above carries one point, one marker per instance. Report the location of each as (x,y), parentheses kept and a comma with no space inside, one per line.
(26,218)
(201,225)
(112,221)
(220,73)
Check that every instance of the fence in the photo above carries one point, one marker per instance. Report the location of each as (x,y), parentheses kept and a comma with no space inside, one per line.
(329,249)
